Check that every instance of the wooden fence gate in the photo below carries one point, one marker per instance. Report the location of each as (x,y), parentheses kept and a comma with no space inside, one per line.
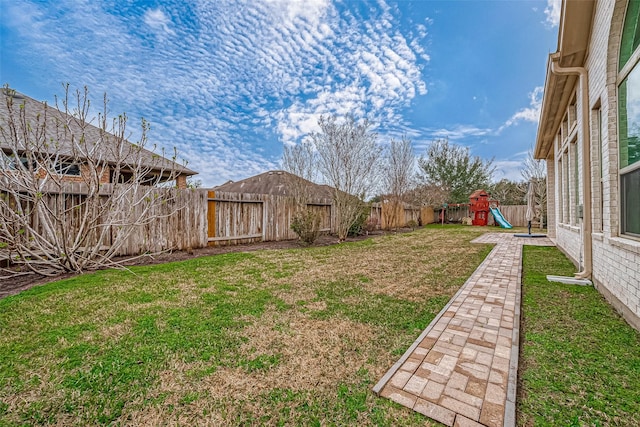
(234,218)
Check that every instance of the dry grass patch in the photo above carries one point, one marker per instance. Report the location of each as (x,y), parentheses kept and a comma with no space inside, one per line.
(412,266)
(285,350)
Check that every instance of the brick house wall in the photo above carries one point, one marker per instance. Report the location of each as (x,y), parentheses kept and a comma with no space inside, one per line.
(105,177)
(616,257)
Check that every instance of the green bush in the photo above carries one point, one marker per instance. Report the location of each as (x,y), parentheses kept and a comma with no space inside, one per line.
(306,225)
(360,225)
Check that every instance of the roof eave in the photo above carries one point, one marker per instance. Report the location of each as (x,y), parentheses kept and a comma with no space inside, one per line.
(573,40)
(543,140)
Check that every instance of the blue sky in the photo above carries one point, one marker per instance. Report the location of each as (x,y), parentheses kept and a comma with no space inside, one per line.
(228,82)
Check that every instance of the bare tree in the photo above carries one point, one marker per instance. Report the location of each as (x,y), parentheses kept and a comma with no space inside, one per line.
(347,154)
(508,192)
(428,195)
(533,168)
(535,172)
(300,161)
(44,227)
(398,176)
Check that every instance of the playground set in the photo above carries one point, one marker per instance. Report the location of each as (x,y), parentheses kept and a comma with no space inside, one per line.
(479,206)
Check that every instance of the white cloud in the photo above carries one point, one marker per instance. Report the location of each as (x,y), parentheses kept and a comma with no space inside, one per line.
(552,12)
(158,21)
(367,69)
(527,114)
(458,132)
(311,11)
(508,169)
(231,80)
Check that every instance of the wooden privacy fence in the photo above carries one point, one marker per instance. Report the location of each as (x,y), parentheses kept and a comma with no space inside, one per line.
(235,218)
(455,212)
(388,215)
(517,215)
(215,218)
(170,229)
(182,229)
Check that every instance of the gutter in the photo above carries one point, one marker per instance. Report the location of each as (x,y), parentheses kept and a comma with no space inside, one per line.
(586,162)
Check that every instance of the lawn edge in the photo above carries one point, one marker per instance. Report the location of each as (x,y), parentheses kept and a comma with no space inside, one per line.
(510,414)
(387,376)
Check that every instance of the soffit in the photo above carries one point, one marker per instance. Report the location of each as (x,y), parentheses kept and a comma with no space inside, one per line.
(573,42)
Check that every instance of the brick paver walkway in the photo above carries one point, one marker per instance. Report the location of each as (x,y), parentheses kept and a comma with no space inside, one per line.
(462,370)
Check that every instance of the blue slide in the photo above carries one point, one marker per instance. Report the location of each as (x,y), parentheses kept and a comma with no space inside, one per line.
(497,215)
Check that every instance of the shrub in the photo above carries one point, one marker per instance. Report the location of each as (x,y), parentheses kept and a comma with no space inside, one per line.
(359,226)
(371,225)
(306,224)
(412,224)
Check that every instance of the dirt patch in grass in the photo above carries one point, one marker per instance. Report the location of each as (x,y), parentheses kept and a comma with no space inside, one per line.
(116,331)
(311,354)
(306,354)
(311,360)
(282,351)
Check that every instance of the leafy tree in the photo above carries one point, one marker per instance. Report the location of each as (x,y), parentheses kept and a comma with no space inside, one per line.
(194,183)
(452,168)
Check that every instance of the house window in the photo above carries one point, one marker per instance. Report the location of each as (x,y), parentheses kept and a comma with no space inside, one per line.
(572,182)
(630,185)
(67,169)
(629,121)
(565,188)
(9,162)
(598,169)
(572,114)
(560,190)
(565,127)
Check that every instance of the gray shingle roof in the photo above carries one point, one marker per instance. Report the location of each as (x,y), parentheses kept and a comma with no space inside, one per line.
(276,182)
(34,111)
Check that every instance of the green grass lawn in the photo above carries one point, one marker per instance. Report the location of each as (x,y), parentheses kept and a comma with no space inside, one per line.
(271,337)
(580,362)
(295,337)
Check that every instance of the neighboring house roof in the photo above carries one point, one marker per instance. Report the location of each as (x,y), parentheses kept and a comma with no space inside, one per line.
(573,40)
(34,110)
(276,182)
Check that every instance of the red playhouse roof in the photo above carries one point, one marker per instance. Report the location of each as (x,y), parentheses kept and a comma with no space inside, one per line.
(478,193)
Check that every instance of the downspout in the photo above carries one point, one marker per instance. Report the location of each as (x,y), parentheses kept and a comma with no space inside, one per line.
(586,161)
